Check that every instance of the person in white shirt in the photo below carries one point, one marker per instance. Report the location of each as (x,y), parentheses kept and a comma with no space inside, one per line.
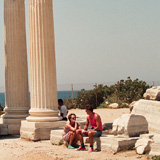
(63,109)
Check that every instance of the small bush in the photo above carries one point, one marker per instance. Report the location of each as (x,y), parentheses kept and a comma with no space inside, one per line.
(102,105)
(156,158)
(60,142)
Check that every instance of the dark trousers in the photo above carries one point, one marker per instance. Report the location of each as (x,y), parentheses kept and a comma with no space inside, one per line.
(64,119)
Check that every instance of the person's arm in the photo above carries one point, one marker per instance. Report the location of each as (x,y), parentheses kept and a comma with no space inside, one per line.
(87,123)
(97,119)
(72,128)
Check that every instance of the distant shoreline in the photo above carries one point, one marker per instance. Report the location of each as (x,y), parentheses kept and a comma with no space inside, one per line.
(61,94)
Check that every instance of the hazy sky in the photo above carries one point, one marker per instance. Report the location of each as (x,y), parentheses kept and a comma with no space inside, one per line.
(102,40)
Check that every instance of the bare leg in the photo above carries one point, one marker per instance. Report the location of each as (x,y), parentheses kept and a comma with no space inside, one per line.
(79,136)
(91,135)
(76,138)
(71,139)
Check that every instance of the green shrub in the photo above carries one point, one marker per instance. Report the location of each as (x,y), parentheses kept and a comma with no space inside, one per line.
(125,91)
(156,158)
(102,105)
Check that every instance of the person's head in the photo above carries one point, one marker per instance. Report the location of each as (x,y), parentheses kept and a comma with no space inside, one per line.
(60,102)
(89,109)
(72,117)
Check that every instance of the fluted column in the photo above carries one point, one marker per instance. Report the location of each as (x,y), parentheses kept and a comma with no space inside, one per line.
(43,85)
(16,72)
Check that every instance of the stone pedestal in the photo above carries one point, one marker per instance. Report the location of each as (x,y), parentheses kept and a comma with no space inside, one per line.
(16,72)
(39,130)
(44,107)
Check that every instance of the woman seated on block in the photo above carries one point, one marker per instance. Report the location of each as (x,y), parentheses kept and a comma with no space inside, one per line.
(73,133)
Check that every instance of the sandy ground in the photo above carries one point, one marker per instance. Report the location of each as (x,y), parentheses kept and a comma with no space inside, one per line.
(13,148)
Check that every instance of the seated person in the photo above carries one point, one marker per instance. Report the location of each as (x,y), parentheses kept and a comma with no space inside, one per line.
(73,133)
(96,125)
(63,110)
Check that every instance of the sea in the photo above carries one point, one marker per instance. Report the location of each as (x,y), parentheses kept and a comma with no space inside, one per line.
(61,95)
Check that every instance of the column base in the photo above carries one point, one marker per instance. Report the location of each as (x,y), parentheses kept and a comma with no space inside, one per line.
(3,128)
(10,126)
(43,115)
(15,113)
(35,131)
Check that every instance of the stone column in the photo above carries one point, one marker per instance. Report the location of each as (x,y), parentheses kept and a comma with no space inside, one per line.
(43,89)
(16,72)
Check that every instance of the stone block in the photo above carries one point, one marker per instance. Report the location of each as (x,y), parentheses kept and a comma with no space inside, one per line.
(114,143)
(10,126)
(56,137)
(151,111)
(107,126)
(152,93)
(143,145)
(3,129)
(96,142)
(113,106)
(156,138)
(155,150)
(131,125)
(39,130)
(104,143)
(13,125)
(146,136)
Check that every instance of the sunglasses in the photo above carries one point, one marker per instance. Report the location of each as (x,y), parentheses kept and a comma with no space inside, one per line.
(73,118)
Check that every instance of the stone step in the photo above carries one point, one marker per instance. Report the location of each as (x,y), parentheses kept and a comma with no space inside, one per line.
(3,129)
(105,143)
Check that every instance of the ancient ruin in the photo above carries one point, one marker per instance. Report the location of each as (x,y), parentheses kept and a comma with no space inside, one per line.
(43,112)
(16,71)
(39,120)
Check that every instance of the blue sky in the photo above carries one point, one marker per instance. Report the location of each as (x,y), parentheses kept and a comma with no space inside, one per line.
(102,40)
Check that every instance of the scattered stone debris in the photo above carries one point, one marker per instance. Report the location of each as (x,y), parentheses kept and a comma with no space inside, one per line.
(113,106)
(152,93)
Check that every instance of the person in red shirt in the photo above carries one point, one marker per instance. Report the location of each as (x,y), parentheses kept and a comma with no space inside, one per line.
(96,125)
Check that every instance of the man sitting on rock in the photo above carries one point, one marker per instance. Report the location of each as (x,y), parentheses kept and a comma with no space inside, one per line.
(96,125)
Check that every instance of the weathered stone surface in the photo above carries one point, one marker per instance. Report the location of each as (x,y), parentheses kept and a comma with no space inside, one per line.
(147,136)
(156,138)
(43,81)
(39,130)
(116,143)
(113,106)
(56,137)
(104,143)
(3,129)
(143,145)
(107,126)
(151,111)
(43,90)
(155,150)
(131,125)
(13,125)
(152,93)
(16,71)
